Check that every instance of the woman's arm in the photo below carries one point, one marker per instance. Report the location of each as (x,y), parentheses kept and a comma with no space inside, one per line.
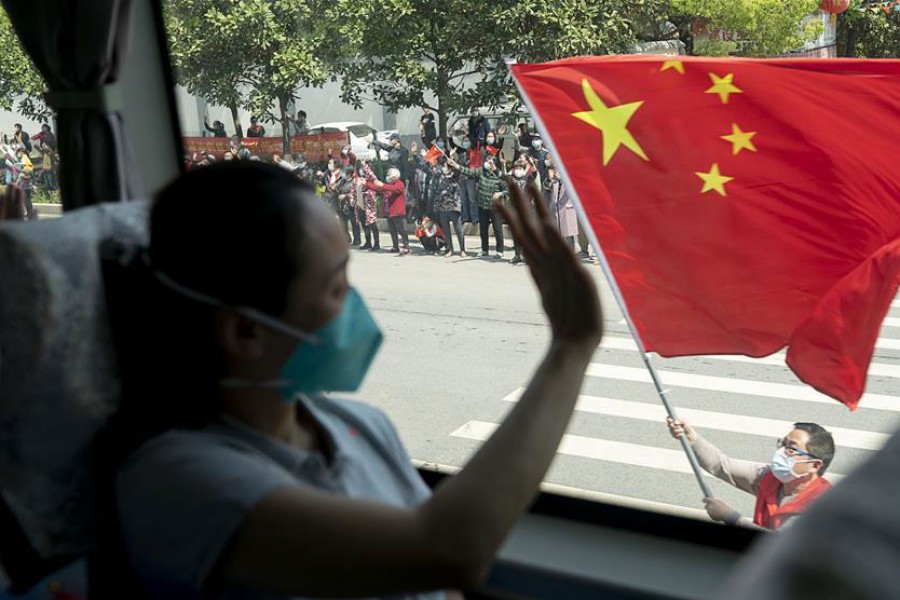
(303,541)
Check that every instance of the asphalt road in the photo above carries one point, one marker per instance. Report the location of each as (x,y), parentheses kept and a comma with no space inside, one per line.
(463,335)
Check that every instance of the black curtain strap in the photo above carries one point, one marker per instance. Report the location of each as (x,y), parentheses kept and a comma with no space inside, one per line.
(106,99)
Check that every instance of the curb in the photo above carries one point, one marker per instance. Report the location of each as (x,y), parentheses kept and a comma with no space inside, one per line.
(48,209)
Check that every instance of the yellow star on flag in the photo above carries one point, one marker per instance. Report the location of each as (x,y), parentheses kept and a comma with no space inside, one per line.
(673,64)
(713,180)
(723,86)
(740,140)
(611,121)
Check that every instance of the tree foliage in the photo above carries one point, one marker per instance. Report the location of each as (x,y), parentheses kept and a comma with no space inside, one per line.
(21,86)
(249,54)
(751,27)
(451,55)
(870,29)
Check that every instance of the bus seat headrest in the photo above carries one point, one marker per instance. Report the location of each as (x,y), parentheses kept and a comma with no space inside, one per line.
(58,375)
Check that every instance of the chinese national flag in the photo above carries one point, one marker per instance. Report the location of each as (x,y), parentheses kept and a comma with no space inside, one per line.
(433,154)
(742,205)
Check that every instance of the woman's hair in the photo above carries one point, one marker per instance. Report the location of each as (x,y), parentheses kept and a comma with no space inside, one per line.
(230,231)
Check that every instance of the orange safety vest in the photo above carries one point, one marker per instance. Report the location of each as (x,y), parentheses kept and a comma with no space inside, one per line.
(769,514)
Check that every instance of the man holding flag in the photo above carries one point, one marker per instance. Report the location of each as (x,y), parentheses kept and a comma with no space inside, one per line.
(784,487)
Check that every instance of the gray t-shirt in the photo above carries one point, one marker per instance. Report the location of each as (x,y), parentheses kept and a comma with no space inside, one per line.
(183,495)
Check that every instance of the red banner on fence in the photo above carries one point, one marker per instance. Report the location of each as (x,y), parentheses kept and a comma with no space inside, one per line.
(317,147)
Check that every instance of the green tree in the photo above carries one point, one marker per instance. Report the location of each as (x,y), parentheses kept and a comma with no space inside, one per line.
(451,55)
(753,27)
(870,29)
(203,52)
(21,86)
(287,43)
(250,54)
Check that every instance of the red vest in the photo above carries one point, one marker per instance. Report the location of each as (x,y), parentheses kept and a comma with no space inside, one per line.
(769,514)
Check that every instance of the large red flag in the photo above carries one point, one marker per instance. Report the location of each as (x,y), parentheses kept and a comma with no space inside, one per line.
(743,205)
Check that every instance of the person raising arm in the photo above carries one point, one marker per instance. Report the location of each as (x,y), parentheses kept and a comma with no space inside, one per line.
(271,489)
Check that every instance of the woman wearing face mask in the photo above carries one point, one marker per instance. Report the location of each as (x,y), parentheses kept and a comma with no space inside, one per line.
(239,478)
(493,146)
(562,209)
(447,203)
(784,487)
(365,202)
(394,193)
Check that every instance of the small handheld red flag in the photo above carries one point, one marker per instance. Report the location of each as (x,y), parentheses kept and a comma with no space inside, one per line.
(742,205)
(433,154)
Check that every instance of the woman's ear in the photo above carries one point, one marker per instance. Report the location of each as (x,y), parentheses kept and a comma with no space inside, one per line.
(238,335)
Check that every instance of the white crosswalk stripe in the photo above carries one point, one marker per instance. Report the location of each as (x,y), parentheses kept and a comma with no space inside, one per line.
(771,428)
(637,455)
(634,432)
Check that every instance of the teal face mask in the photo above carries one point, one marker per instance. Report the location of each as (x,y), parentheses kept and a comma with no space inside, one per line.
(334,358)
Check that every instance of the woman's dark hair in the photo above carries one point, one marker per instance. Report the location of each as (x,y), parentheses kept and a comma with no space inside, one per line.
(231,231)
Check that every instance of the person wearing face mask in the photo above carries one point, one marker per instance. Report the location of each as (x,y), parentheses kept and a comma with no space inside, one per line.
(365,198)
(394,193)
(784,487)
(540,157)
(492,146)
(491,189)
(228,472)
(467,155)
(522,176)
(347,205)
(447,204)
(561,206)
(398,154)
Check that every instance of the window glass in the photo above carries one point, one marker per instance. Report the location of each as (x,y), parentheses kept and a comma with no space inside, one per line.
(465,333)
(28,155)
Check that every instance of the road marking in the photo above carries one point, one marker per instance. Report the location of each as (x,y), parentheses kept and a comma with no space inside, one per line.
(891,322)
(606,497)
(786,391)
(604,450)
(704,419)
(775,360)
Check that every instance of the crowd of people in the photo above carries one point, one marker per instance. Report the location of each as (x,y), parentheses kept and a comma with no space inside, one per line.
(19,151)
(435,186)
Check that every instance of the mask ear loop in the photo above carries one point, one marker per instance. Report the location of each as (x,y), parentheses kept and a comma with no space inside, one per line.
(250,313)
(246,311)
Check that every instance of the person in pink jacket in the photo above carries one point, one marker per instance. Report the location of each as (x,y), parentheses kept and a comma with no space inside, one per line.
(394,192)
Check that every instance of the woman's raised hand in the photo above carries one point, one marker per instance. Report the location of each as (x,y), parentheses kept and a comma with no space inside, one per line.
(568,292)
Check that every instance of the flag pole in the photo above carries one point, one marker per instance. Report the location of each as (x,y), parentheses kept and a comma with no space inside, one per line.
(617,293)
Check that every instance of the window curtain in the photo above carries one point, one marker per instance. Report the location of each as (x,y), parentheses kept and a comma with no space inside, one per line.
(78,46)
